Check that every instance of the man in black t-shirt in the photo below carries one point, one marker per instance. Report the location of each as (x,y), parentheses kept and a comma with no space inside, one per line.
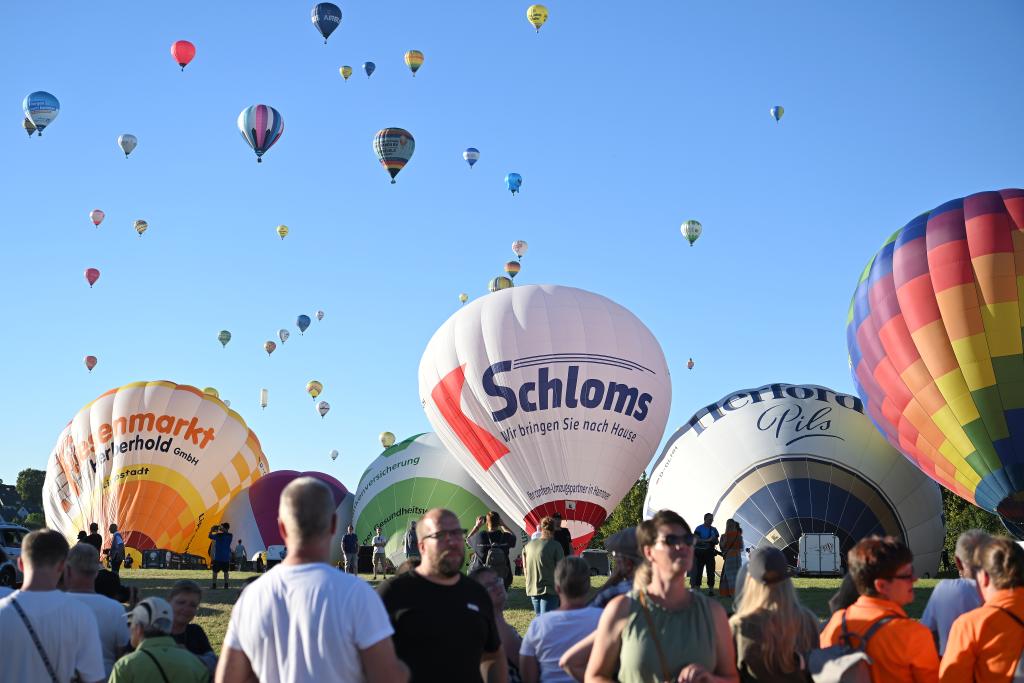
(562,535)
(94,539)
(444,623)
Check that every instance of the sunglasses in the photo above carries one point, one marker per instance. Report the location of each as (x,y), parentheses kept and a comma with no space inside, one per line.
(444,534)
(674,540)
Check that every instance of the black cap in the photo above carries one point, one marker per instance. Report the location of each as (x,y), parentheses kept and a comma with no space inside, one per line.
(768,565)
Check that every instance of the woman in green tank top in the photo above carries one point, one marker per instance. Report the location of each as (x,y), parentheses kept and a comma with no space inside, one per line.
(663,631)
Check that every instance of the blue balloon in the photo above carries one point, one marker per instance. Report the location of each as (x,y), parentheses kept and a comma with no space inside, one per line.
(302,322)
(41,108)
(326,17)
(369,67)
(513,181)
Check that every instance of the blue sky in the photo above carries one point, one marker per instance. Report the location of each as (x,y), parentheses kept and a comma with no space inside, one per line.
(623,123)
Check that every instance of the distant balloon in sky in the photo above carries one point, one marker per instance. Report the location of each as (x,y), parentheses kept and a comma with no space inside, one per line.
(302,322)
(264,396)
(41,108)
(387,439)
(282,231)
(537,14)
(519,248)
(345,72)
(499,283)
(319,315)
(334,454)
(261,126)
(512,269)
(777,111)
(227,403)
(269,347)
(223,337)
(90,362)
(513,181)
(326,17)
(323,407)
(97,216)
(463,298)
(91,276)
(127,142)
(141,226)
(691,231)
(414,60)
(689,364)
(283,335)
(183,52)
(471,155)
(394,148)
(313,388)
(211,391)
(29,127)
(369,68)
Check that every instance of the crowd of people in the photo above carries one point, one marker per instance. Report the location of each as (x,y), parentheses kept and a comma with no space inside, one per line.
(306,621)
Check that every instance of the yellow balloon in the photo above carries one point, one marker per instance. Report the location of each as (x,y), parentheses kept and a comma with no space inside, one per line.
(212,392)
(313,388)
(345,72)
(414,60)
(387,439)
(140,226)
(537,14)
(282,231)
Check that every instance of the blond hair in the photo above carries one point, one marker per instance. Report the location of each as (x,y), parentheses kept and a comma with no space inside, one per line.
(782,632)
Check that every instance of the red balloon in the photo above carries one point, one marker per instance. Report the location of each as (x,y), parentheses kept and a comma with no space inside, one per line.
(90,362)
(183,52)
(91,276)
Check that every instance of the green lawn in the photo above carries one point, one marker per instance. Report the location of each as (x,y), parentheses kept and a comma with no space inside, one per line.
(216,607)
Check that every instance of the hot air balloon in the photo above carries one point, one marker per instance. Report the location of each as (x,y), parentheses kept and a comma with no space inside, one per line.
(394,148)
(91,276)
(302,322)
(223,337)
(554,399)
(792,459)
(283,335)
(261,126)
(369,68)
(387,439)
(323,407)
(227,403)
(141,226)
(282,231)
(513,181)
(252,511)
(90,362)
(269,347)
(263,398)
(319,315)
(519,248)
(471,155)
(512,269)
(935,345)
(418,473)
(29,127)
(313,388)
(97,216)
(326,17)
(345,72)
(334,454)
(414,60)
(41,108)
(537,14)
(777,111)
(156,459)
(211,391)
(127,142)
(463,298)
(498,283)
(689,364)
(691,230)
(183,52)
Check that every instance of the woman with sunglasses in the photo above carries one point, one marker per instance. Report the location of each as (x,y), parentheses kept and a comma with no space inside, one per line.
(662,630)
(900,649)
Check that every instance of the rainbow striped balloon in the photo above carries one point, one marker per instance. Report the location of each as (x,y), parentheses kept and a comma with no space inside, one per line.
(935,341)
(394,148)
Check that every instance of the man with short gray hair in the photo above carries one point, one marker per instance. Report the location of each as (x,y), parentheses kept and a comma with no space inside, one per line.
(306,622)
(80,570)
(953,597)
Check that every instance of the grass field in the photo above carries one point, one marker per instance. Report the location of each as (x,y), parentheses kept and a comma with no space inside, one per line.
(216,607)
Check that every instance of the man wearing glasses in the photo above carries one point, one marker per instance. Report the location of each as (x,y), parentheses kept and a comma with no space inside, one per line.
(444,622)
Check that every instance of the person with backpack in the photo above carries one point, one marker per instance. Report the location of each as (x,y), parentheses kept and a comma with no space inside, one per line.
(540,557)
(899,648)
(985,644)
(952,598)
(492,547)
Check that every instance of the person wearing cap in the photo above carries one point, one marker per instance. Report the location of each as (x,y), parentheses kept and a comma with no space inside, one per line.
(561,534)
(80,570)
(623,549)
(157,657)
(901,649)
(772,631)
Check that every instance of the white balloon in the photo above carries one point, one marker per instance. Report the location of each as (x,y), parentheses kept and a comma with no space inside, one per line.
(787,459)
(127,143)
(334,454)
(553,398)
(323,407)
(283,335)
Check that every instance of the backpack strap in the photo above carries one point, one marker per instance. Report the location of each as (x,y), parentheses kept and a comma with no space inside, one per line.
(867,634)
(1010,614)
(158,667)
(654,636)
(35,640)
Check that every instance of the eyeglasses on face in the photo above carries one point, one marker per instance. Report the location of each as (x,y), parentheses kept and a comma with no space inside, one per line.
(444,534)
(676,540)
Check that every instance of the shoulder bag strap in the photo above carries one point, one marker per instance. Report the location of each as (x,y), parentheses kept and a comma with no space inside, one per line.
(158,667)
(654,636)
(35,639)
(1010,614)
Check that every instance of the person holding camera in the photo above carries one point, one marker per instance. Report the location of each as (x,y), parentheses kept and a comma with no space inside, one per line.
(221,538)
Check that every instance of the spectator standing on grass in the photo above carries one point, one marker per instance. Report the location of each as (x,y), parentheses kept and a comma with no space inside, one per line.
(65,629)
(552,633)
(116,555)
(900,649)
(985,644)
(540,557)
(492,546)
(350,551)
(157,658)
(510,640)
(704,554)
(221,537)
(561,535)
(241,556)
(412,545)
(185,598)
(306,622)
(952,597)
(444,622)
(94,539)
(380,560)
(80,570)
(731,548)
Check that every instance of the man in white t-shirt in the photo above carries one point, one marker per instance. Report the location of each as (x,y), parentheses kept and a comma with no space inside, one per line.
(379,559)
(65,629)
(953,597)
(80,570)
(306,622)
(552,633)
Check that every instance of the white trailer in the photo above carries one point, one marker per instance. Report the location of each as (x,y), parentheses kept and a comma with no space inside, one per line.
(819,555)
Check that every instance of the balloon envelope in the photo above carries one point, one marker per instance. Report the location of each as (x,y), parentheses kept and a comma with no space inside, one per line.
(269,347)
(777,112)
(345,72)
(127,142)
(553,399)
(97,216)
(414,60)
(519,248)
(261,126)
(91,276)
(387,439)
(29,127)
(326,17)
(283,335)
(319,315)
(784,460)
(513,181)
(90,362)
(41,108)
(369,68)
(160,460)
(323,407)
(223,337)
(282,231)
(394,148)
(471,155)
(183,52)
(302,322)
(141,226)
(691,231)
(313,388)
(499,283)
(537,14)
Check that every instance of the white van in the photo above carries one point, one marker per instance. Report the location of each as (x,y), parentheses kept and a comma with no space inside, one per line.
(819,555)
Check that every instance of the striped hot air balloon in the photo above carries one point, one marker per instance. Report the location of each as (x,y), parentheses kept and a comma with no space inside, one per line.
(394,148)
(261,126)
(414,60)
